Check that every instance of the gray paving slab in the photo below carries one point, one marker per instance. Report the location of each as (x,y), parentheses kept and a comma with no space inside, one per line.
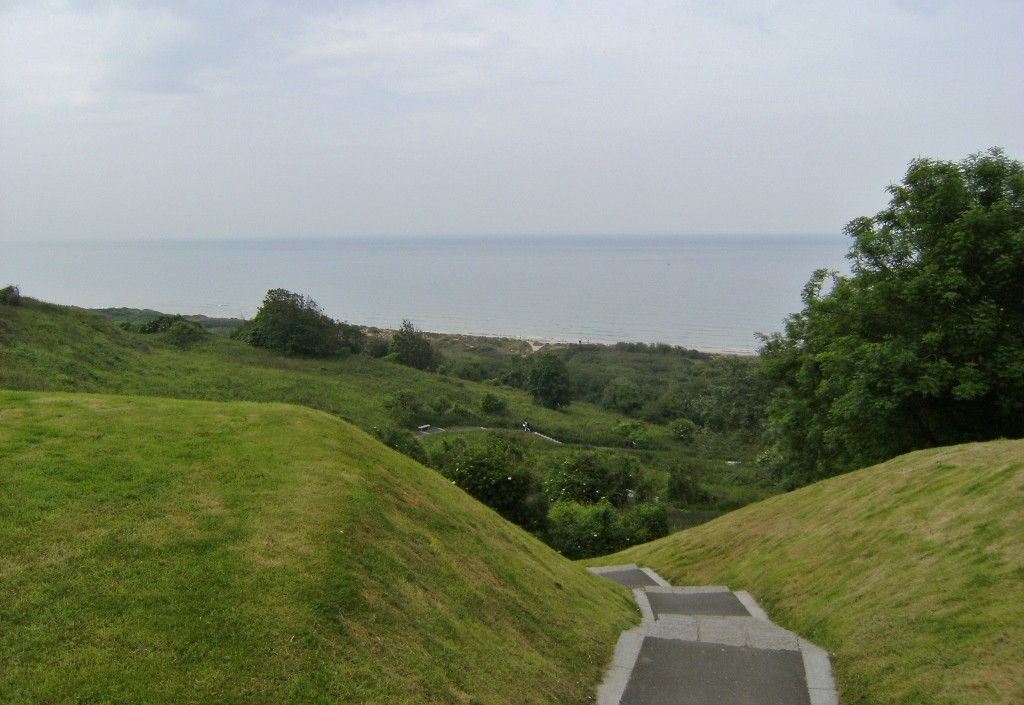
(686,652)
(631,576)
(676,672)
(715,603)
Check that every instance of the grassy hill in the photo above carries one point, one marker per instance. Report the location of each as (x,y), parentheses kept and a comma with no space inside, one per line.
(46,347)
(910,573)
(160,550)
(58,348)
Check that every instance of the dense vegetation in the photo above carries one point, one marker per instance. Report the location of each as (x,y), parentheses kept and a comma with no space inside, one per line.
(293,324)
(47,347)
(908,573)
(923,344)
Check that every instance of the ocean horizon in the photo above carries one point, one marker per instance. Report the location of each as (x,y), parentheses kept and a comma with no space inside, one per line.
(712,293)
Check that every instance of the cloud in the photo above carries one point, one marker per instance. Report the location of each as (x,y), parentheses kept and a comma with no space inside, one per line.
(318,118)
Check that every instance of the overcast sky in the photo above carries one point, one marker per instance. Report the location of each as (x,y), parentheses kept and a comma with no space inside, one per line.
(194,119)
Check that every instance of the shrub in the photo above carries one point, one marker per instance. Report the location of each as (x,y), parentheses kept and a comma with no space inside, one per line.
(645,522)
(10,296)
(584,477)
(412,348)
(401,440)
(292,324)
(184,334)
(585,531)
(684,430)
(580,531)
(493,404)
(684,486)
(405,407)
(548,381)
(495,475)
(376,346)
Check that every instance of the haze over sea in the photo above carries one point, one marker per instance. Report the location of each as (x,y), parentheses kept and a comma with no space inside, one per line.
(709,293)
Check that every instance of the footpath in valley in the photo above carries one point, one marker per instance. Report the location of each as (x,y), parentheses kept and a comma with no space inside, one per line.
(707,645)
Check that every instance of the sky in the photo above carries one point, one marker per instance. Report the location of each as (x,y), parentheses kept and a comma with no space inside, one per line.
(200,120)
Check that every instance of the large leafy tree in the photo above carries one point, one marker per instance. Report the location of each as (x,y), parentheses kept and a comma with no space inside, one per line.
(548,381)
(922,344)
(293,324)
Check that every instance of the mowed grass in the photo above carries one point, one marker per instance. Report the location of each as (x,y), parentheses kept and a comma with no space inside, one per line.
(910,573)
(156,550)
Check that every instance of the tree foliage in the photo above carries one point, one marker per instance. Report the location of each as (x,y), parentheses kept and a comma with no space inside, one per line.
(548,381)
(589,477)
(586,530)
(293,324)
(10,296)
(923,344)
(496,475)
(412,348)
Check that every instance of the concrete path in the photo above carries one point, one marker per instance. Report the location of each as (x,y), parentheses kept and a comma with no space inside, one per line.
(429,430)
(709,645)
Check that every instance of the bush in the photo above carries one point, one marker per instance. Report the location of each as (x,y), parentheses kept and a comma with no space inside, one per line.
(292,324)
(548,381)
(584,477)
(493,404)
(405,408)
(622,395)
(581,531)
(184,334)
(497,476)
(684,430)
(10,296)
(376,346)
(684,486)
(412,348)
(645,522)
(403,441)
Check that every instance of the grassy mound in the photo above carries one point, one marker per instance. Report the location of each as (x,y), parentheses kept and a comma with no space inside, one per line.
(175,551)
(909,573)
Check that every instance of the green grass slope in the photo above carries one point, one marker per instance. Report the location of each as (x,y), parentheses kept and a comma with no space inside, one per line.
(156,550)
(910,573)
(58,348)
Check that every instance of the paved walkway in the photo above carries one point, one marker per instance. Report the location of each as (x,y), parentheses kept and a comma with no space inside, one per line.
(430,430)
(709,645)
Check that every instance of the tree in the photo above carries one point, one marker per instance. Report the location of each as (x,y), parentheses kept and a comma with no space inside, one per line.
(587,477)
(411,347)
(10,296)
(496,475)
(923,344)
(292,324)
(548,381)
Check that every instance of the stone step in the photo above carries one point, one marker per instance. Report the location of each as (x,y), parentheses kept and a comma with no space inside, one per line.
(709,644)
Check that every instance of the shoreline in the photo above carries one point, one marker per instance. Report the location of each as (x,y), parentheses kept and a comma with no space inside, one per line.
(536,343)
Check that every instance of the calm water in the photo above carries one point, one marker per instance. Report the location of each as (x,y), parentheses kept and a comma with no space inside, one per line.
(699,292)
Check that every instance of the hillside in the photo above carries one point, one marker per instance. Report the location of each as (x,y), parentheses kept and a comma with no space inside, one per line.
(909,573)
(176,551)
(46,347)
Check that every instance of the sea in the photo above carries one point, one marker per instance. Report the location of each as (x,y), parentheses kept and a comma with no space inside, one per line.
(712,293)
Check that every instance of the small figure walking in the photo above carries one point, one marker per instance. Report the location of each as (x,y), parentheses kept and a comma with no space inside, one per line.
(526,426)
